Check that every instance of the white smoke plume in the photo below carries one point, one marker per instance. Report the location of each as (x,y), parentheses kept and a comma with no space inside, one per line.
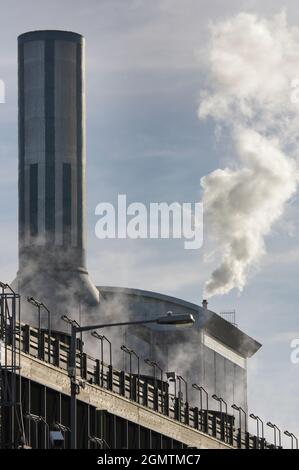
(252,65)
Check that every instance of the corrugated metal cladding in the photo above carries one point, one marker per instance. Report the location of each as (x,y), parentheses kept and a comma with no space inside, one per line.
(51,122)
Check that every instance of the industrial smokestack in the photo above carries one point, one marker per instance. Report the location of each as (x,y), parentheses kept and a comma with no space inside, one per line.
(52,245)
(205,304)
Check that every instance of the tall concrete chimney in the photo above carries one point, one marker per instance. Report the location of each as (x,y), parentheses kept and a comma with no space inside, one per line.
(52,245)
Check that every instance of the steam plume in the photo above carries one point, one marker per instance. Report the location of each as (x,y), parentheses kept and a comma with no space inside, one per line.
(252,63)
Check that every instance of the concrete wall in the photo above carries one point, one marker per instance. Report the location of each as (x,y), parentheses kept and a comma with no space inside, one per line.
(58,380)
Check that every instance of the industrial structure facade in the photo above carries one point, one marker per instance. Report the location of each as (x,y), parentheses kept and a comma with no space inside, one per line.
(122,400)
(115,409)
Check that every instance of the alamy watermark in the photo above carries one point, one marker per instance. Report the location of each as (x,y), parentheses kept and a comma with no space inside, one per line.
(2,92)
(295,351)
(157,220)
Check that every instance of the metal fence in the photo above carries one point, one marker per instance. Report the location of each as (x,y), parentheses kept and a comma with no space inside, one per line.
(136,388)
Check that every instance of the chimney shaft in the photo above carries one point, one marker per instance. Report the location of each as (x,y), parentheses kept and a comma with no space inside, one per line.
(205,304)
(52,162)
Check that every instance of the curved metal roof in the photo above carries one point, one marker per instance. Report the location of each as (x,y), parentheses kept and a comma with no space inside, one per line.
(208,320)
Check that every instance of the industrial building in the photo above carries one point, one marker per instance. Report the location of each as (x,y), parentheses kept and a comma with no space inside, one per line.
(116,409)
(149,385)
(213,352)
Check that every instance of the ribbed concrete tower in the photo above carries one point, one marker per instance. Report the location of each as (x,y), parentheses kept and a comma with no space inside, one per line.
(52,246)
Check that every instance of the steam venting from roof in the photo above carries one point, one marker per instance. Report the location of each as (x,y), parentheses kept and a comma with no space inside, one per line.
(252,65)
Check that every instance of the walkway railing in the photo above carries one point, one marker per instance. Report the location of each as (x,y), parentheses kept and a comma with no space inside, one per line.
(136,388)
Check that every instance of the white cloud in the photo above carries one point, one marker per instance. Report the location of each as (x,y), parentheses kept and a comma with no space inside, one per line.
(251,62)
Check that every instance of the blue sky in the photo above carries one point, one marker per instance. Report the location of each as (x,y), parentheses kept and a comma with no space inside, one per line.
(144,140)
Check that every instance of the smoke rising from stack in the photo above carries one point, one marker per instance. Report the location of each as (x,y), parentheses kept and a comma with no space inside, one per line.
(252,63)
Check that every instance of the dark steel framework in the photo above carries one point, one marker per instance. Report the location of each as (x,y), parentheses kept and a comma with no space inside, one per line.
(46,409)
(11,419)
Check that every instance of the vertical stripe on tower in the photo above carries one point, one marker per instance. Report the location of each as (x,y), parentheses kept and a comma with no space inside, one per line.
(67,203)
(80,149)
(49,140)
(33,199)
(21,146)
